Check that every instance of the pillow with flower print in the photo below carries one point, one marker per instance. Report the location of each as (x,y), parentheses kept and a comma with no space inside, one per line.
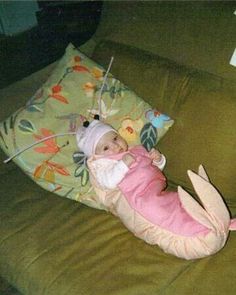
(61,105)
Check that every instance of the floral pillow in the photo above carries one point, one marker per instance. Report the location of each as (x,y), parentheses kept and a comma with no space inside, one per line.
(61,105)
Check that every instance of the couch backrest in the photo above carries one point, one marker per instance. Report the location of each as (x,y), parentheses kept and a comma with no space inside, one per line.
(202,105)
(196,33)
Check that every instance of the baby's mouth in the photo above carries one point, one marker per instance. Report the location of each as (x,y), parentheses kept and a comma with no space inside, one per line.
(120,150)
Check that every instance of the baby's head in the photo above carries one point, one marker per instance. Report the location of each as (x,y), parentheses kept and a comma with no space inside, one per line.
(100,139)
(111,143)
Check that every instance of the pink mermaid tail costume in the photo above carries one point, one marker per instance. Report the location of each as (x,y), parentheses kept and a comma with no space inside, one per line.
(174,221)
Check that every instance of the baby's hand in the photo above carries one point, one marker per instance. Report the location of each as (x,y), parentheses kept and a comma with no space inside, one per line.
(155,155)
(128,159)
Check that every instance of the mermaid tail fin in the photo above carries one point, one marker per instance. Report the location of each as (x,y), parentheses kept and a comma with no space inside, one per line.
(194,209)
(211,199)
(202,173)
(232,224)
(213,213)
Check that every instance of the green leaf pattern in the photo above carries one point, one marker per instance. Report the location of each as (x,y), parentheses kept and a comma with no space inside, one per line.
(148,136)
(26,126)
(81,171)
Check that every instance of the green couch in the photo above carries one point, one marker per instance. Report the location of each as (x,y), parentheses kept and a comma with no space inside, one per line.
(53,245)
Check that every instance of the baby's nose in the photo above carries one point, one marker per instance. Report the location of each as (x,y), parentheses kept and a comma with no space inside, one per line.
(116,145)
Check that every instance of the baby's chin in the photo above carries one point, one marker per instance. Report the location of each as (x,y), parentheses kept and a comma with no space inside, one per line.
(121,151)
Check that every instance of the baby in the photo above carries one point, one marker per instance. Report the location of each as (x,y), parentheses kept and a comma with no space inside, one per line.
(128,182)
(106,145)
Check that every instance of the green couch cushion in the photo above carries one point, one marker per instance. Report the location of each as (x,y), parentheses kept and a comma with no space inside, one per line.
(205,133)
(193,33)
(203,106)
(50,245)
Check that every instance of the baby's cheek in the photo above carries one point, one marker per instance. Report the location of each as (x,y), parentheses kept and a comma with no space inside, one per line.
(109,153)
(124,146)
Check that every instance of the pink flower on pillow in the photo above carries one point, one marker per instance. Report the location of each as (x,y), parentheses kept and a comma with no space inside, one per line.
(77,58)
(56,89)
(89,89)
(97,73)
(77,67)
(47,169)
(50,145)
(130,129)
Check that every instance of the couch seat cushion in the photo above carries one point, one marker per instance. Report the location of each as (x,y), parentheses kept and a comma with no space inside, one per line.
(50,245)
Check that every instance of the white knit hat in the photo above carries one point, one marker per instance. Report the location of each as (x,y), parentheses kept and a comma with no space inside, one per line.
(88,137)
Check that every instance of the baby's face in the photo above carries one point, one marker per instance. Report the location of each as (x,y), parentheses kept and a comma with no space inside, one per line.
(111,143)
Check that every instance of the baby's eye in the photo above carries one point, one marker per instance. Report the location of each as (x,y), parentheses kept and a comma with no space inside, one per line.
(115,138)
(105,148)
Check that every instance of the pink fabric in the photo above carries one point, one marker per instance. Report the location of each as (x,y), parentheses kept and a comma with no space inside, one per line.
(143,187)
(140,211)
(233,224)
